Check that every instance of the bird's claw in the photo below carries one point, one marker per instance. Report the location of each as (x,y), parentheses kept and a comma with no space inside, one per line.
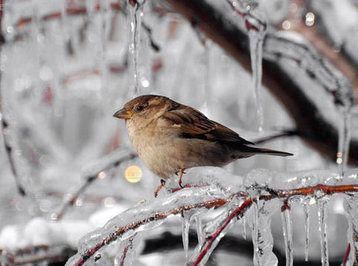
(159,188)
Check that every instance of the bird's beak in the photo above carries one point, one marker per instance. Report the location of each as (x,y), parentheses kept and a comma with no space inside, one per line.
(123,114)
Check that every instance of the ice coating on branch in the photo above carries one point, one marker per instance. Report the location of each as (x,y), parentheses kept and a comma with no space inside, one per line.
(148,215)
(322,227)
(135,24)
(292,47)
(287,234)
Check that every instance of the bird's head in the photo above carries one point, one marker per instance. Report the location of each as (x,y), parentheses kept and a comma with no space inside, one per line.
(144,108)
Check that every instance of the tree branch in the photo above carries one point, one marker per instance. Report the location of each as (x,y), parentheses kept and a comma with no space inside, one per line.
(88,180)
(157,215)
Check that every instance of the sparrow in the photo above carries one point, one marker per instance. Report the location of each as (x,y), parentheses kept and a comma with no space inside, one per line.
(170,137)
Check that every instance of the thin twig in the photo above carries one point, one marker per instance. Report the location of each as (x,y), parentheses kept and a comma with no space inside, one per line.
(9,153)
(346,255)
(87,182)
(36,254)
(126,249)
(71,11)
(284,133)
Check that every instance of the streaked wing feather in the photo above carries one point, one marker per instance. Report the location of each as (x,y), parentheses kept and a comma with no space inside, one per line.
(193,124)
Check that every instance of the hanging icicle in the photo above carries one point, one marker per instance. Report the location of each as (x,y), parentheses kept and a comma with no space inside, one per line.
(105,17)
(135,20)
(256,28)
(344,138)
(256,38)
(207,89)
(287,233)
(351,207)
(322,227)
(261,233)
(199,229)
(306,208)
(244,230)
(185,234)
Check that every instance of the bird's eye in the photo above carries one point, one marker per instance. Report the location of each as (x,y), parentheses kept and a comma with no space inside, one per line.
(140,107)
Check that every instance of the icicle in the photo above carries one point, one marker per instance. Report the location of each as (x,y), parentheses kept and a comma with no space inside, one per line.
(322,227)
(135,13)
(256,38)
(261,234)
(207,90)
(102,57)
(66,30)
(185,234)
(351,207)
(256,32)
(244,231)
(218,221)
(199,230)
(307,227)
(255,233)
(343,142)
(287,235)
(126,255)
(90,8)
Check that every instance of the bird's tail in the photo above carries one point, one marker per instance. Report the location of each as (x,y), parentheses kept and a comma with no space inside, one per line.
(254,150)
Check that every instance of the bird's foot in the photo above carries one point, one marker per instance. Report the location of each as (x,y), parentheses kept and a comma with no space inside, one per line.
(159,188)
(180,173)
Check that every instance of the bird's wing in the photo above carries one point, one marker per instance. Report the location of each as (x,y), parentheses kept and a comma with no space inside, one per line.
(191,123)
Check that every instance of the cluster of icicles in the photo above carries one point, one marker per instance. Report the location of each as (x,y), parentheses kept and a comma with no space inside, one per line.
(214,209)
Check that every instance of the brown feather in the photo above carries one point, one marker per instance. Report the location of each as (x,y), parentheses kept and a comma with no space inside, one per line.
(194,124)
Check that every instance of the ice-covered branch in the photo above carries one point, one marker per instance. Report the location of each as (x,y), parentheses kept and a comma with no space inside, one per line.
(9,153)
(72,10)
(149,215)
(311,119)
(35,254)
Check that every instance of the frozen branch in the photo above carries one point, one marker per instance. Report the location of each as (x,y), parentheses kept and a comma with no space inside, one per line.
(36,254)
(70,11)
(9,154)
(281,134)
(188,199)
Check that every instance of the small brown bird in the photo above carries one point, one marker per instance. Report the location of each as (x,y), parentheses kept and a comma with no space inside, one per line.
(171,137)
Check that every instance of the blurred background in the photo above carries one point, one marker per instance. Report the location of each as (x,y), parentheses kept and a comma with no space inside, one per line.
(68,65)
